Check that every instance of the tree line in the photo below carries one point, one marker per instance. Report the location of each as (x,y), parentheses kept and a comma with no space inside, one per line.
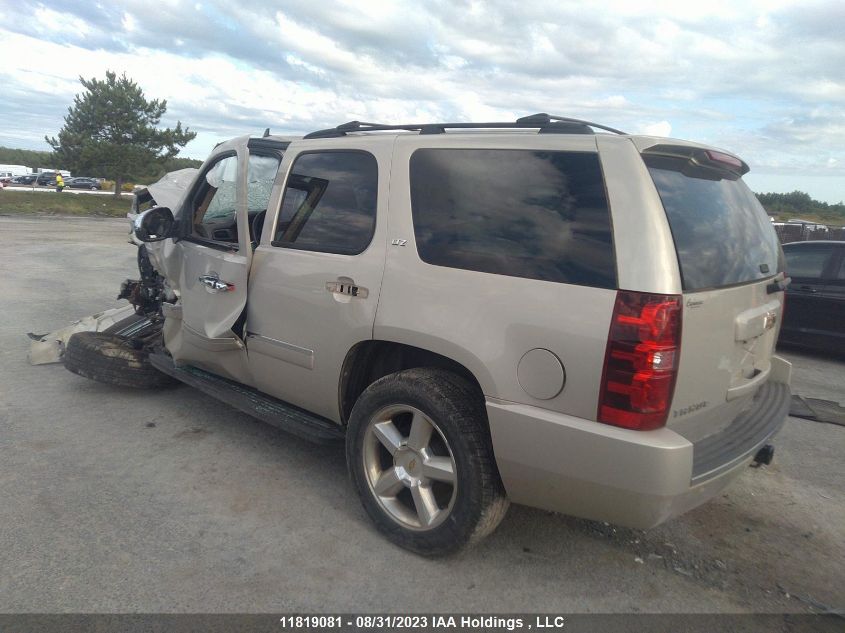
(798,204)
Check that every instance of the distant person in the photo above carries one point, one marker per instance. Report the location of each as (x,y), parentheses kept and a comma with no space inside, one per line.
(60,183)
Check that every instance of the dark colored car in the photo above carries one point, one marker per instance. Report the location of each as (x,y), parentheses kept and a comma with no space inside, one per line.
(26,179)
(46,178)
(815,300)
(83,183)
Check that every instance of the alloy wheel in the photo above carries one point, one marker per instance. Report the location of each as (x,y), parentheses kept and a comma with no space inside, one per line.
(410,467)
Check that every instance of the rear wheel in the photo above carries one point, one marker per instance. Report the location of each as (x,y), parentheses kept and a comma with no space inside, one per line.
(113,360)
(420,457)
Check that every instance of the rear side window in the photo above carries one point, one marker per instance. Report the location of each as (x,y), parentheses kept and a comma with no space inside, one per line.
(329,204)
(722,234)
(522,213)
(808,261)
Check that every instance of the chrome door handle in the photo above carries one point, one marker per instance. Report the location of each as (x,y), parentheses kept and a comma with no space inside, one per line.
(214,284)
(345,286)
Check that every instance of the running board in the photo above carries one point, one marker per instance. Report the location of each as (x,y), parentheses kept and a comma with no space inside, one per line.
(251,401)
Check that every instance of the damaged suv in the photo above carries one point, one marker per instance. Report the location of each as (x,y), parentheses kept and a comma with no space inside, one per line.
(548,311)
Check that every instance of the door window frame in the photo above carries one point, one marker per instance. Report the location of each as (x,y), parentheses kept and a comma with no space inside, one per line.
(288,176)
(187,232)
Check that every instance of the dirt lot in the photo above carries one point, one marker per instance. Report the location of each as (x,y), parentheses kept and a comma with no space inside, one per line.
(118,500)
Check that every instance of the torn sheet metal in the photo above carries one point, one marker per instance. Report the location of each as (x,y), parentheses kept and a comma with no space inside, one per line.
(168,191)
(49,348)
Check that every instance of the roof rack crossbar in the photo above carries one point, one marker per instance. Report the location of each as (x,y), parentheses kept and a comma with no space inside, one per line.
(541,121)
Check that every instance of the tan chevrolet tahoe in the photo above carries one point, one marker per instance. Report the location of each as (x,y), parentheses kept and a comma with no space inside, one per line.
(547,312)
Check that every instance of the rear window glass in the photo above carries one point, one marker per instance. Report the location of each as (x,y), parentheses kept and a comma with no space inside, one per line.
(722,234)
(534,214)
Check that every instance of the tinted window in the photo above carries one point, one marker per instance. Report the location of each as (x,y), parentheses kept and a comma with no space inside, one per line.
(535,214)
(722,234)
(807,261)
(329,203)
(841,273)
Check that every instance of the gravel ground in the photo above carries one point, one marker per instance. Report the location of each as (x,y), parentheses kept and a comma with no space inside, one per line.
(118,500)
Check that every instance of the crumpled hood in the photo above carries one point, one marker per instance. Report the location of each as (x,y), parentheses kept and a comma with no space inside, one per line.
(168,191)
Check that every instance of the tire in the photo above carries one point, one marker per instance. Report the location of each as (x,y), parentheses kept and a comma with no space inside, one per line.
(112,360)
(420,456)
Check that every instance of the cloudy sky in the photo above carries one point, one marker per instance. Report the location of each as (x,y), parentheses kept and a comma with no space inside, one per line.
(764,79)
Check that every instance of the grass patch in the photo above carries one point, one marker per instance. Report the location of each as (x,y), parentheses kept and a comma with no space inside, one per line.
(52,203)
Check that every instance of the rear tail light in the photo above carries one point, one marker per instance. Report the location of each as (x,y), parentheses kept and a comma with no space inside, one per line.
(641,362)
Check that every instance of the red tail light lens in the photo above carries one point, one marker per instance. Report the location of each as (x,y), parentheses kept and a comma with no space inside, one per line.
(721,157)
(641,362)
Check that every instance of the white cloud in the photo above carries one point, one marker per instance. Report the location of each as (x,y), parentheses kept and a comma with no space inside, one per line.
(50,21)
(761,77)
(660,128)
(128,22)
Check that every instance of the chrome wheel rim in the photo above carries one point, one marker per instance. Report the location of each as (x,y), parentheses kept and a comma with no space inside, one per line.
(410,468)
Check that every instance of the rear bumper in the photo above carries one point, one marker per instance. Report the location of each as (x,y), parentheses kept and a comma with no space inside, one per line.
(744,436)
(633,478)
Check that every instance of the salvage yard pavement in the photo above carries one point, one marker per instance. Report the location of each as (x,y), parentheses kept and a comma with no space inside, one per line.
(122,500)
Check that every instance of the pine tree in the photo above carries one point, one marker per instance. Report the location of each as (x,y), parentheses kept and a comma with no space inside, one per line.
(111,130)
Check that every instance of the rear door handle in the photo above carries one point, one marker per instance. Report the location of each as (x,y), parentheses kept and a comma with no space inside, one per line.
(214,284)
(807,289)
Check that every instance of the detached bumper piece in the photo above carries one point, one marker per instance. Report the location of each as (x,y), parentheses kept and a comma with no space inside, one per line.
(266,408)
(50,348)
(746,434)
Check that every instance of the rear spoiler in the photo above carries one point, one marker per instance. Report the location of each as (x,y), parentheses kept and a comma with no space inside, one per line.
(705,157)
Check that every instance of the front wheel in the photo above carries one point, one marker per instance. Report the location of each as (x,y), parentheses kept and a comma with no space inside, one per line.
(420,456)
(114,360)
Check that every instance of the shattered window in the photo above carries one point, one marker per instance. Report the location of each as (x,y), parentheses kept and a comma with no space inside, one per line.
(214,204)
(260,177)
(223,178)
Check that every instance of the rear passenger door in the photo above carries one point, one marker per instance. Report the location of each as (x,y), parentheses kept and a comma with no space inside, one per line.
(316,275)
(807,313)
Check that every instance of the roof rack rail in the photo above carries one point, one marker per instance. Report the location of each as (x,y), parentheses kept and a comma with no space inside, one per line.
(546,124)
